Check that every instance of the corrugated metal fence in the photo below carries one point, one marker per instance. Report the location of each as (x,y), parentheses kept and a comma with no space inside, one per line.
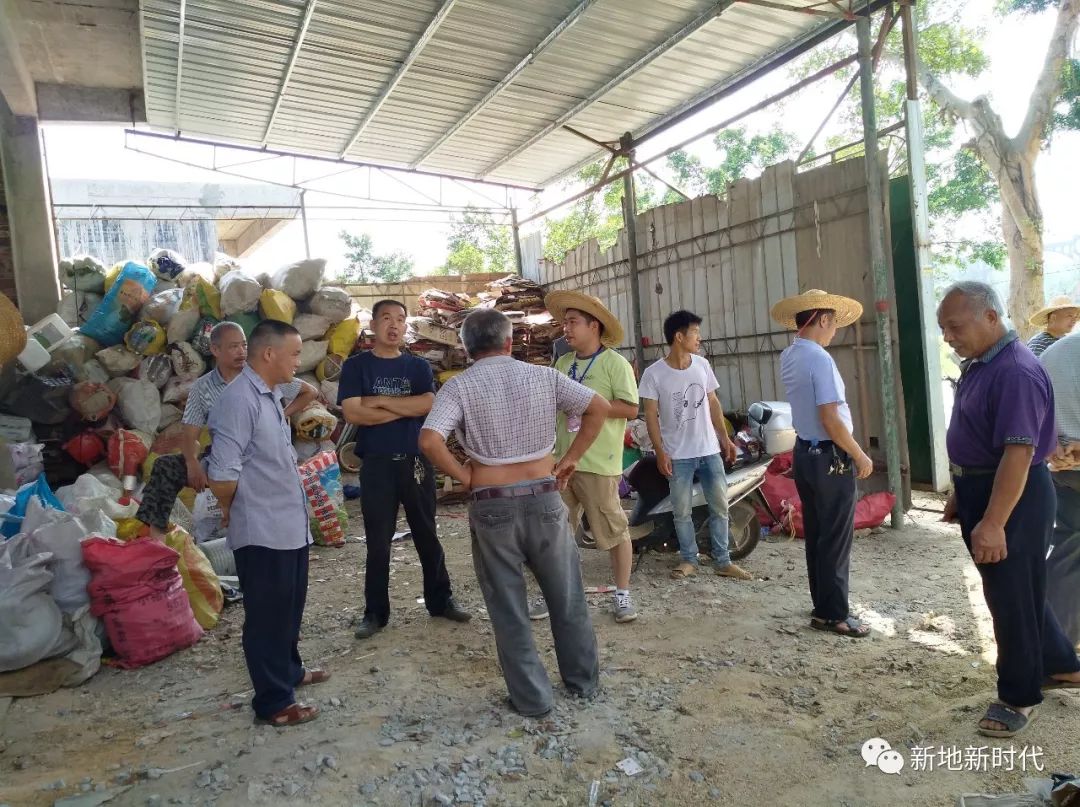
(729,260)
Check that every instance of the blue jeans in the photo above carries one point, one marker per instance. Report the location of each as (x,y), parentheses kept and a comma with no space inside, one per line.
(710,472)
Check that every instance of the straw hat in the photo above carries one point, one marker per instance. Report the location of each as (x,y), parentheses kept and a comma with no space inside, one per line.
(559,301)
(12,331)
(1041,318)
(847,310)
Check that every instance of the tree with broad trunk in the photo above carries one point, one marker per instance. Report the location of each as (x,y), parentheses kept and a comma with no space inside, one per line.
(1011,159)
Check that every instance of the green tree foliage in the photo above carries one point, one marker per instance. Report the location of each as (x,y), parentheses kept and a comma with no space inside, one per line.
(477,244)
(738,153)
(364,266)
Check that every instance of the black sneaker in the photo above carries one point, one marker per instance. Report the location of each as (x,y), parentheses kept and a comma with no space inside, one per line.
(454,613)
(367,628)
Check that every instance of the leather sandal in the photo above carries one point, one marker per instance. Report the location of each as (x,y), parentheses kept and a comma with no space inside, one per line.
(683,571)
(292,715)
(314,676)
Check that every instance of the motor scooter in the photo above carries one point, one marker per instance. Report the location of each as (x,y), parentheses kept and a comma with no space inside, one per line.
(649,510)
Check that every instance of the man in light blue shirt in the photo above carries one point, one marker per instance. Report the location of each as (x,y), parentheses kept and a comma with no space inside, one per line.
(253,474)
(825,451)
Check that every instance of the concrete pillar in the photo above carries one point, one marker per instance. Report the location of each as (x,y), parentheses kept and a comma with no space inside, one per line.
(29,214)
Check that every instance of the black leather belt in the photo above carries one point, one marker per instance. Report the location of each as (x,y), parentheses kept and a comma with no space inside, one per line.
(961,471)
(515,492)
(810,443)
(390,457)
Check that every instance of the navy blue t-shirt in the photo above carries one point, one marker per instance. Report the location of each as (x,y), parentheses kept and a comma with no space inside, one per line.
(365,375)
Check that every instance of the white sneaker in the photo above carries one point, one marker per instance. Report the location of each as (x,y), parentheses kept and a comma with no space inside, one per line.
(624,609)
(538,609)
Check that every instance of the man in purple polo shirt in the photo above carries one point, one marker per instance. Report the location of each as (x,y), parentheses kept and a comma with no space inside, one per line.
(1001,433)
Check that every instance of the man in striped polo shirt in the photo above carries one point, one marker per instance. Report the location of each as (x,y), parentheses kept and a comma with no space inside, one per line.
(173,472)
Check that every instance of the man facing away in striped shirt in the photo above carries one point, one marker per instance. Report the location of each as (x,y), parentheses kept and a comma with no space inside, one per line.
(173,472)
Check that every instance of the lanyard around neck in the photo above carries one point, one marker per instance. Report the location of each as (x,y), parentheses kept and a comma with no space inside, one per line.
(573,367)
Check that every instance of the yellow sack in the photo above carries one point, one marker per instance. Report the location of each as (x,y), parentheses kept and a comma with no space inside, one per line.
(200,581)
(329,369)
(148,465)
(187,496)
(203,295)
(445,375)
(277,305)
(111,275)
(146,337)
(342,337)
(128,529)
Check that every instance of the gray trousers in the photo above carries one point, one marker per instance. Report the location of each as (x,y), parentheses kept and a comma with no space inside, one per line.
(1063,565)
(508,534)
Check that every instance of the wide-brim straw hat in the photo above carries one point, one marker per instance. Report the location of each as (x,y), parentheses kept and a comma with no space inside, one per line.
(558,302)
(12,331)
(847,310)
(1041,318)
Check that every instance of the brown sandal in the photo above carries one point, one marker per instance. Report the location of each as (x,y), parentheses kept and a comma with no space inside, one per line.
(683,571)
(314,676)
(292,715)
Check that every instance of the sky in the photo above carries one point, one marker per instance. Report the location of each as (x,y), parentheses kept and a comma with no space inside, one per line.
(1016,49)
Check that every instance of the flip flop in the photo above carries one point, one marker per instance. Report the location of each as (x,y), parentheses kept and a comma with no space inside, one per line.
(314,676)
(856,629)
(683,571)
(292,715)
(734,571)
(1014,721)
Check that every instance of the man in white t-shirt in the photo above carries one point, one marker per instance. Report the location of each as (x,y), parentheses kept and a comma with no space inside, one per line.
(686,425)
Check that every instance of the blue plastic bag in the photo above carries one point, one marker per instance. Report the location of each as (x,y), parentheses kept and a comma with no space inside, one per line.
(13,518)
(115,315)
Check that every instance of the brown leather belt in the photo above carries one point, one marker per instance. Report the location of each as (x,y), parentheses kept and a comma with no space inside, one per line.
(514,492)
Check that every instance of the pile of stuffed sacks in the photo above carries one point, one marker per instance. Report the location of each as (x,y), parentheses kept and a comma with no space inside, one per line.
(94,420)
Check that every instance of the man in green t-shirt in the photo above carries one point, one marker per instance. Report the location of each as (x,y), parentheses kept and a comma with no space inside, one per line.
(592,332)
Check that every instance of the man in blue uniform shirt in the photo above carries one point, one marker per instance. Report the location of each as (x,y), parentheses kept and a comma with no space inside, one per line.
(827,459)
(387,393)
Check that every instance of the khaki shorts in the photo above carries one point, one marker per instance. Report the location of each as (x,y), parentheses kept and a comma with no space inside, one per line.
(598,496)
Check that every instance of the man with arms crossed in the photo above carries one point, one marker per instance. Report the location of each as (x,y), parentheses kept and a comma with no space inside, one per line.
(387,393)
(253,474)
(503,413)
(686,426)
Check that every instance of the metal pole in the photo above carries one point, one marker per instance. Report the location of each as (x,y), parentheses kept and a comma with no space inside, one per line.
(626,142)
(303,218)
(875,199)
(517,242)
(920,225)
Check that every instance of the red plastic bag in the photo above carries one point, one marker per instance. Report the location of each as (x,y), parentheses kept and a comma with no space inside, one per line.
(136,590)
(871,510)
(127,452)
(87,448)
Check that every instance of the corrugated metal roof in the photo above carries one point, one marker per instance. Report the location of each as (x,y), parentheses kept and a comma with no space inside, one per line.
(237,55)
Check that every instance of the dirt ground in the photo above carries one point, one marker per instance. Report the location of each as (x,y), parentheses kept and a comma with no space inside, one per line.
(720,692)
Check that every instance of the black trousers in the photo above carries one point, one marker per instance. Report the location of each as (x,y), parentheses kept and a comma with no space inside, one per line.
(274,582)
(385,484)
(1030,642)
(1063,565)
(828,502)
(167,479)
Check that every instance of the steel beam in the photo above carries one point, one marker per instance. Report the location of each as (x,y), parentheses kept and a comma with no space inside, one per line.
(799,10)
(179,64)
(507,80)
(301,33)
(319,158)
(629,206)
(924,261)
(695,25)
(879,265)
(412,56)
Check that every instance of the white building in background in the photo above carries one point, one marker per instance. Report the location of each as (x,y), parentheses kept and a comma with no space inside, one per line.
(127,220)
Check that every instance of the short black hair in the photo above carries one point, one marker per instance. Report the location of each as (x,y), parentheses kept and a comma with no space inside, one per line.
(386,302)
(589,318)
(267,331)
(804,318)
(678,323)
